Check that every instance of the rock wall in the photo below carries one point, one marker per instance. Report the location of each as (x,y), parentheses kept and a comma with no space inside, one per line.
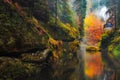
(36,43)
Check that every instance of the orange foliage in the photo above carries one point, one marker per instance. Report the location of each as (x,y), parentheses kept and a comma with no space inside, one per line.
(93,65)
(93,27)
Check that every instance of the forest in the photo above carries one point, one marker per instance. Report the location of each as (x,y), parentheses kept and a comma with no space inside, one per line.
(59,39)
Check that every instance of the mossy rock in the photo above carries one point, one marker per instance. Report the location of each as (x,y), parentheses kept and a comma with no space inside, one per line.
(12,69)
(62,31)
(16,34)
(15,69)
(92,48)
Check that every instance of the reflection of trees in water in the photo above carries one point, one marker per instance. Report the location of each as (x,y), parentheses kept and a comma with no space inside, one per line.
(95,69)
(93,65)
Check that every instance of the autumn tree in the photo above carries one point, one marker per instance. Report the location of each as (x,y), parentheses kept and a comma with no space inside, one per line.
(93,29)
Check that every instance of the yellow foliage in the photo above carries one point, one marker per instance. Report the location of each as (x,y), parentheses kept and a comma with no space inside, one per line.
(94,29)
(107,31)
(57,48)
(117,39)
(55,55)
(64,26)
(74,45)
(110,47)
(35,20)
(92,21)
(53,42)
(72,31)
(92,48)
(119,30)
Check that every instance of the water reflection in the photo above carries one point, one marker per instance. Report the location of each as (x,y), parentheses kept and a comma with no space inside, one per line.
(93,66)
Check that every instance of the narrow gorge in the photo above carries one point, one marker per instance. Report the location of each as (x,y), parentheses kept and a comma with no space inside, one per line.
(59,40)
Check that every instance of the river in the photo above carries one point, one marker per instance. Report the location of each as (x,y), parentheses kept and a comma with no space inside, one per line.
(91,65)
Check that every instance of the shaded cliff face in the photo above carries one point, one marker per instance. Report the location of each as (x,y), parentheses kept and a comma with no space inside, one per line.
(115,8)
(28,22)
(111,40)
(38,39)
(16,33)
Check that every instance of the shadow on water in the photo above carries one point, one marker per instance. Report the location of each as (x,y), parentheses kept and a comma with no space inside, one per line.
(111,67)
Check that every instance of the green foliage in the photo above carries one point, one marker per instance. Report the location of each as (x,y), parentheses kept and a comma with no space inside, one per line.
(116,51)
(111,47)
(106,39)
(105,35)
(67,29)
